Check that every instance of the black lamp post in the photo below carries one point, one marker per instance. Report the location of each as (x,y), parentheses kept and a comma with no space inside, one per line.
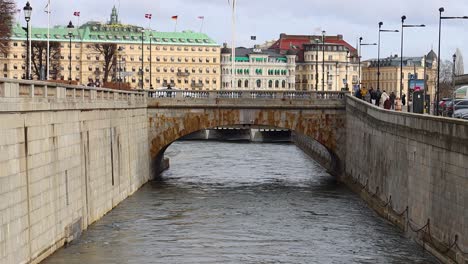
(142,58)
(359,56)
(317,41)
(119,66)
(441,10)
(70,35)
(347,61)
(378,52)
(151,58)
(27,16)
(323,60)
(454,74)
(403,18)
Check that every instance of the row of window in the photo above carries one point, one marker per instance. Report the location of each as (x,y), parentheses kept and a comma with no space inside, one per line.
(327,67)
(258,84)
(389,75)
(157,47)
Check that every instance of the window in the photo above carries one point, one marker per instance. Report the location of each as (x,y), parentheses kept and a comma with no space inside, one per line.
(259,83)
(270,84)
(330,57)
(283,85)
(239,84)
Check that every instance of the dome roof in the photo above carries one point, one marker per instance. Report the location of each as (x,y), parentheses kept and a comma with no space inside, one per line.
(431,56)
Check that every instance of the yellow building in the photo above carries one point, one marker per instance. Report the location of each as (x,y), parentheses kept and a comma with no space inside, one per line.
(413,67)
(187,60)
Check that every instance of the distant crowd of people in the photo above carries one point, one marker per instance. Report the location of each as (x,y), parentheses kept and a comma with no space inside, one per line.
(91,83)
(378,98)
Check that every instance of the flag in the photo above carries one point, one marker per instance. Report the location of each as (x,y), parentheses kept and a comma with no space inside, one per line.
(76,13)
(253,37)
(48,3)
(201,17)
(175,17)
(148,16)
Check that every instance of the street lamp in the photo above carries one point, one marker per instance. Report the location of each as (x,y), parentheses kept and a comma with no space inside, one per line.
(70,35)
(453,69)
(378,52)
(317,41)
(323,60)
(142,58)
(359,56)
(347,61)
(151,58)
(441,10)
(27,16)
(403,18)
(119,66)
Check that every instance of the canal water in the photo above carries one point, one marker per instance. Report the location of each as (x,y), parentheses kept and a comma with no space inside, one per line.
(242,203)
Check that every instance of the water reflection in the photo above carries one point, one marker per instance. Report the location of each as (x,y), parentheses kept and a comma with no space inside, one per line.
(242,203)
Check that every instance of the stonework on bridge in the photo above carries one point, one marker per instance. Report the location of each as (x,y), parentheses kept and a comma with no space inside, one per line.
(69,154)
(322,120)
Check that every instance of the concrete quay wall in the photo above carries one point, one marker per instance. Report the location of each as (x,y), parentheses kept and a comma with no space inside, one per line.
(62,169)
(413,170)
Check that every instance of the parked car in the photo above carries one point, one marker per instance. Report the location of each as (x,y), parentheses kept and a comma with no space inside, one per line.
(460,104)
(461,113)
(442,105)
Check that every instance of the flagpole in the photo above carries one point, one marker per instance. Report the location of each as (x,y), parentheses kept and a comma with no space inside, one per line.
(233,45)
(201,27)
(175,28)
(48,40)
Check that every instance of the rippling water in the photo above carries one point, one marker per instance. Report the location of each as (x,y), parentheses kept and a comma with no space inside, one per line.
(242,203)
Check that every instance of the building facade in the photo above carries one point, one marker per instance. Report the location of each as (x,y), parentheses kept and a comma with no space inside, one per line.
(326,63)
(413,67)
(257,69)
(187,60)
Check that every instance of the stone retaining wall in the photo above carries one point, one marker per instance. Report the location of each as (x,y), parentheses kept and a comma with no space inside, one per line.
(414,170)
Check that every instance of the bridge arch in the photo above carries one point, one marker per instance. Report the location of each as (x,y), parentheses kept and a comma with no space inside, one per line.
(327,127)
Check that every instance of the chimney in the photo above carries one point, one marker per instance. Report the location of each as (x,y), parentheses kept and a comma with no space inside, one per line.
(340,37)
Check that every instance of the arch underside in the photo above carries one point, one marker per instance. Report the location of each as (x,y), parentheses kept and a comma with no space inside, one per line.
(325,126)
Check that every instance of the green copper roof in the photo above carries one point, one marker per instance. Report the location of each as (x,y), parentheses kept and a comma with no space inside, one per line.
(95,32)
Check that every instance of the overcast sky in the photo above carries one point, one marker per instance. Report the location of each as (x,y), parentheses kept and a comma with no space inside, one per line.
(266,19)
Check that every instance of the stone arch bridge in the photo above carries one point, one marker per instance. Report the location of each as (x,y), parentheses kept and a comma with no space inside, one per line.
(318,115)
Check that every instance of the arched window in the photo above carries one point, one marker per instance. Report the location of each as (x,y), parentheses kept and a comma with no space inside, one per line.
(239,83)
(283,84)
(277,84)
(246,83)
(259,83)
(270,84)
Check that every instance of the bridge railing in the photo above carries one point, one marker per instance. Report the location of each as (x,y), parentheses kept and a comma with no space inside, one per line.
(40,91)
(246,94)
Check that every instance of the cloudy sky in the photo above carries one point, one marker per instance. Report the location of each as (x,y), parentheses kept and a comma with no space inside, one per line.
(266,19)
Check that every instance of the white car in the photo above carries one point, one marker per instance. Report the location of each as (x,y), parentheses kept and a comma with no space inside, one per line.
(461,113)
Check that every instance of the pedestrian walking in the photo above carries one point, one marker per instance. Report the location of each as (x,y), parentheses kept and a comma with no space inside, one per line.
(403,99)
(392,100)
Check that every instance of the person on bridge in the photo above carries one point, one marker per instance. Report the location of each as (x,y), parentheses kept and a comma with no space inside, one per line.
(403,99)
(358,94)
(392,100)
(385,100)
(378,95)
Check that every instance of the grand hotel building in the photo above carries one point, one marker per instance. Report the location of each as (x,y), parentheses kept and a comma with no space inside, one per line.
(187,59)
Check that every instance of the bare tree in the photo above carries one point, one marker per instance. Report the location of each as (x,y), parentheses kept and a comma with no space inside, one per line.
(39,59)
(109,51)
(7,11)
(446,87)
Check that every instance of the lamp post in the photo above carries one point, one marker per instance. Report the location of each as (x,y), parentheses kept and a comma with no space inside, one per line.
(142,58)
(359,56)
(403,18)
(27,16)
(70,35)
(317,41)
(119,66)
(441,10)
(323,60)
(151,58)
(453,69)
(347,61)
(378,52)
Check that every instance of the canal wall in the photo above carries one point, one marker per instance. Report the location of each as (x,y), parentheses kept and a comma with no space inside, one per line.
(67,157)
(413,170)
(315,150)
